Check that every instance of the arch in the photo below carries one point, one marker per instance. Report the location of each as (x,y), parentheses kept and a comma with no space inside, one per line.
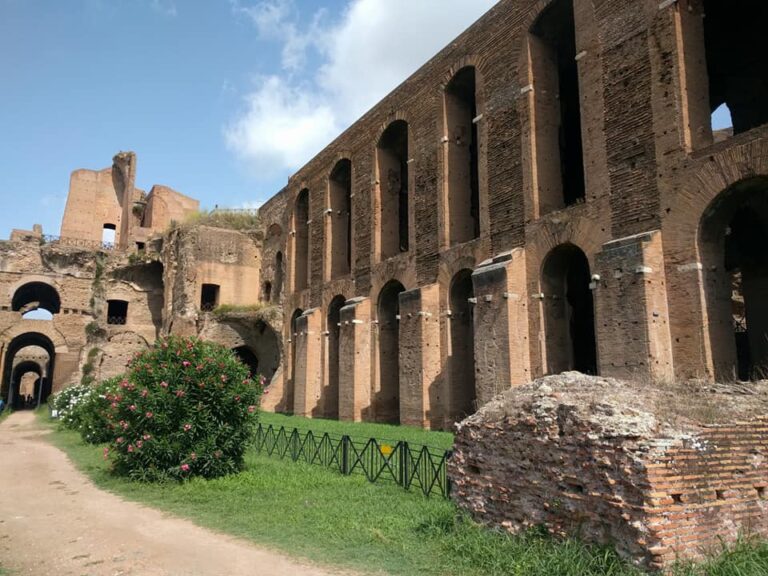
(291,388)
(36,295)
(301,241)
(569,317)
(340,233)
(462,396)
(461,199)
(267,291)
(556,112)
(330,400)
(9,388)
(248,357)
(109,234)
(386,402)
(274,231)
(393,182)
(732,236)
(278,287)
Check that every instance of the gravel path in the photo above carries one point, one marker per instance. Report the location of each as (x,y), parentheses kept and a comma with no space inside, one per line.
(54,521)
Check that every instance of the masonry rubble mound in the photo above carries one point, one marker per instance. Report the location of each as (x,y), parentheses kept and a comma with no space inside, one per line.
(659,473)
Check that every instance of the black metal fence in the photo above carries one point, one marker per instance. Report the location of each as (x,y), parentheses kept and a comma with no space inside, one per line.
(409,466)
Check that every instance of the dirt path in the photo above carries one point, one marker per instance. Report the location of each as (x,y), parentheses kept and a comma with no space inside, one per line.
(53,520)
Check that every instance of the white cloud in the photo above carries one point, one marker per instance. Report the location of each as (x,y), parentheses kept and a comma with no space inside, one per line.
(281,127)
(167,7)
(364,53)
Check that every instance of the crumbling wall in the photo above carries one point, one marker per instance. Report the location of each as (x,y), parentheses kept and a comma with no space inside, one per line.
(659,474)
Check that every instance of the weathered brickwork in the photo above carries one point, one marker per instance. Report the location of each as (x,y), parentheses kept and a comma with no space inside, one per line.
(615,279)
(618,465)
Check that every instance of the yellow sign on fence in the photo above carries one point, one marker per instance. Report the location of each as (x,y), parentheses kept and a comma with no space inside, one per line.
(386,449)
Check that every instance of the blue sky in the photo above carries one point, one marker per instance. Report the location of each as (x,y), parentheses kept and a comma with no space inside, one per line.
(221,99)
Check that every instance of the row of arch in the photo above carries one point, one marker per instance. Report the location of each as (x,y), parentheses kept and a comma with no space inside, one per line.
(393,179)
(569,322)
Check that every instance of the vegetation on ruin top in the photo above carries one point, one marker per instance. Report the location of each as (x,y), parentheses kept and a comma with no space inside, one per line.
(261,311)
(241,220)
(314,513)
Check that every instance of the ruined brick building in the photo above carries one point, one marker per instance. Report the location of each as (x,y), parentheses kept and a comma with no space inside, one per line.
(545,194)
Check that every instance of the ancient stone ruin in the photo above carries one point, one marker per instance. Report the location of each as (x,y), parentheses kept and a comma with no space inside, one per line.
(660,473)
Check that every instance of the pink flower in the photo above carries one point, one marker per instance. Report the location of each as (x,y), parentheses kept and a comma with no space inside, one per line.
(149,414)
(187,427)
(185,467)
(120,440)
(262,380)
(180,393)
(124,384)
(144,393)
(139,444)
(114,405)
(266,392)
(164,384)
(130,447)
(237,398)
(224,378)
(147,437)
(132,407)
(251,409)
(106,453)
(186,363)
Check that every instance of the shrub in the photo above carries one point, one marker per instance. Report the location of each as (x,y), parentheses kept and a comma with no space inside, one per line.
(186,408)
(66,402)
(92,413)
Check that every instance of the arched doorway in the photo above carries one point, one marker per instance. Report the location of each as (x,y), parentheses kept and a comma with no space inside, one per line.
(462,397)
(387,399)
(289,392)
(16,365)
(330,395)
(732,238)
(34,296)
(569,316)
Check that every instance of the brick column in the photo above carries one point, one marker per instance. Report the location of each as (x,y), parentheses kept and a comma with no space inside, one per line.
(631,315)
(420,362)
(502,347)
(308,363)
(355,360)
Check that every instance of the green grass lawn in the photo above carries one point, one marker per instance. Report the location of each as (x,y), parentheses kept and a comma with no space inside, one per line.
(314,513)
(361,431)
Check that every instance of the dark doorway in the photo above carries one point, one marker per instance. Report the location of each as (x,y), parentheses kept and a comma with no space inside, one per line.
(209,297)
(330,400)
(569,317)
(11,377)
(248,357)
(387,400)
(117,312)
(463,395)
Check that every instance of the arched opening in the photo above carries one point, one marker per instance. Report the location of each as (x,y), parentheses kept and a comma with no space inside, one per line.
(249,358)
(36,296)
(267,293)
(722,123)
(340,184)
(301,241)
(387,400)
(463,395)
(569,317)
(294,333)
(330,400)
(392,176)
(462,178)
(108,235)
(559,163)
(39,314)
(29,352)
(737,62)
(27,380)
(732,238)
(278,288)
(117,312)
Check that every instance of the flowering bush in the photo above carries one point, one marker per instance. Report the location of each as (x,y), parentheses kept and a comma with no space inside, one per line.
(186,408)
(65,403)
(92,413)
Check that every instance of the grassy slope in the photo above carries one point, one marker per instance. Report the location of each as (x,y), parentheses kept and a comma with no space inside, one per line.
(314,513)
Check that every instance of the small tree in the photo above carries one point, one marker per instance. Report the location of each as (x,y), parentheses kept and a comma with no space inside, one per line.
(186,408)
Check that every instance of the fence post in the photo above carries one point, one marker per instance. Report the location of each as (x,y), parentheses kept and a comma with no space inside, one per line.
(405,464)
(345,440)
